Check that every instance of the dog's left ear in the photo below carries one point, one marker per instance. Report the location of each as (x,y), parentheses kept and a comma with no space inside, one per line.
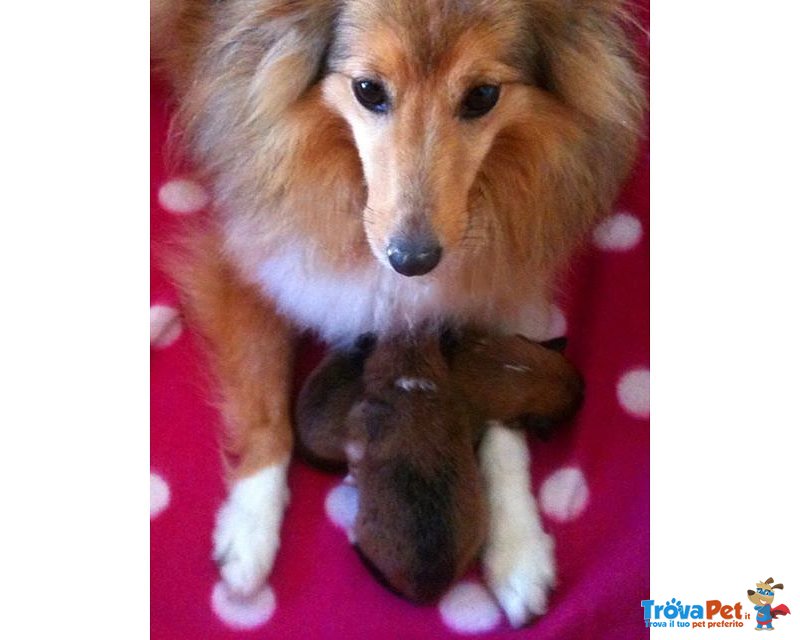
(585,57)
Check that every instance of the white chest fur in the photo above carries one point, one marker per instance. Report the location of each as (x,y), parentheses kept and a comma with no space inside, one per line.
(341,305)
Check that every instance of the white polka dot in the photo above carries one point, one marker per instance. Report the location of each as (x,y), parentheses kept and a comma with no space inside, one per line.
(558,323)
(469,608)
(242,613)
(182,196)
(633,392)
(165,325)
(159,494)
(341,505)
(564,494)
(619,232)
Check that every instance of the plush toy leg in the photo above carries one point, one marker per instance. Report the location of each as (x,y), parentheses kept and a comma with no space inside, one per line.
(519,561)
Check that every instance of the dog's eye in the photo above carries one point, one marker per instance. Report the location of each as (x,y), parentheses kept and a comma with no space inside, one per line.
(371,95)
(479,101)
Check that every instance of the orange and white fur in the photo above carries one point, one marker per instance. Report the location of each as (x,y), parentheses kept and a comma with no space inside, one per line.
(379,165)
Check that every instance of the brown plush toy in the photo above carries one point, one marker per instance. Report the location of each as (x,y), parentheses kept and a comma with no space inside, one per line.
(406,415)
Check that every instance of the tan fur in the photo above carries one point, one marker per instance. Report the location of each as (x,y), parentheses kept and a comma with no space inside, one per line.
(276,149)
(251,349)
(266,113)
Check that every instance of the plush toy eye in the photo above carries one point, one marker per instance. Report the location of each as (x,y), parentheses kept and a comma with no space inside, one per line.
(372,95)
(479,101)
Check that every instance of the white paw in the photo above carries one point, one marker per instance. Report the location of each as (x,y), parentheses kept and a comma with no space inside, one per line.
(518,562)
(521,572)
(247,532)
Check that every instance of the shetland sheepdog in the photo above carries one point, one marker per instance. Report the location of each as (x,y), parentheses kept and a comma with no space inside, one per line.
(378,166)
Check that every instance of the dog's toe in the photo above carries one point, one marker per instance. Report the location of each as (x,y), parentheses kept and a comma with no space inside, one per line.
(521,574)
(243,576)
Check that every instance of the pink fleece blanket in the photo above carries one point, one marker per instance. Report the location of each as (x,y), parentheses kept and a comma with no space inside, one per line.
(592,479)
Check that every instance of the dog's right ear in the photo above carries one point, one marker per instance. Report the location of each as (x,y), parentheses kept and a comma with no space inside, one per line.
(294,38)
(262,58)
(585,57)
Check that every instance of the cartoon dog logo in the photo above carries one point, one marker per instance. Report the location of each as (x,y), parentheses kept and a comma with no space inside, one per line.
(762,597)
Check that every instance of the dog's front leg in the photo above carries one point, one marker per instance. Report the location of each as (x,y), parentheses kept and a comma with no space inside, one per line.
(251,350)
(254,380)
(519,560)
(254,375)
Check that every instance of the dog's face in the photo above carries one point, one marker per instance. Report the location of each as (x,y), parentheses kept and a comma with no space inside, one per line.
(476,140)
(424,118)
(433,93)
(764,593)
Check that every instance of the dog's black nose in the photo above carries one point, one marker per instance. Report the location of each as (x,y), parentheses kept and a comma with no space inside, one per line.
(411,258)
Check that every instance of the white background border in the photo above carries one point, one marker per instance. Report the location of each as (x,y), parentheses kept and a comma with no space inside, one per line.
(725,306)
(74,359)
